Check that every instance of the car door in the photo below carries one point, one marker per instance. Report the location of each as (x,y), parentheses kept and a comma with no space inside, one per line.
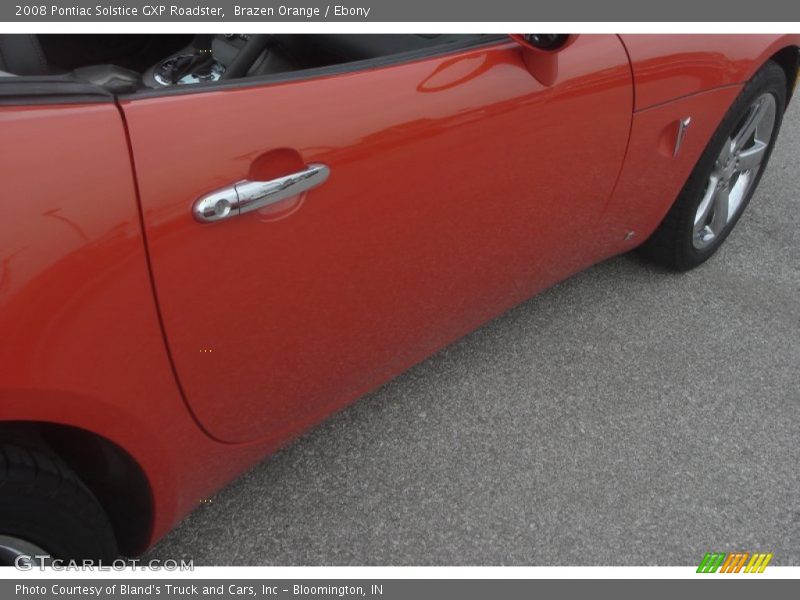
(458,184)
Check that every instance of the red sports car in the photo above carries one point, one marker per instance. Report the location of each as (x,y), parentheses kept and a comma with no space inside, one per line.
(212,242)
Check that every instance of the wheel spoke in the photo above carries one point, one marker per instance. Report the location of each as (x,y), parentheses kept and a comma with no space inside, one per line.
(752,157)
(721,207)
(706,204)
(728,148)
(751,123)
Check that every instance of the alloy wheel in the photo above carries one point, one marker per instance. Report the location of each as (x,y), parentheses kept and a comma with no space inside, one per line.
(735,171)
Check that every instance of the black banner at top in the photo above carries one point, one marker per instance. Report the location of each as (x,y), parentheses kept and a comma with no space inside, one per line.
(471,11)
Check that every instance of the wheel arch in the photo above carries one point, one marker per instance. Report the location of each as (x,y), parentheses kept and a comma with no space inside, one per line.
(112,474)
(788,58)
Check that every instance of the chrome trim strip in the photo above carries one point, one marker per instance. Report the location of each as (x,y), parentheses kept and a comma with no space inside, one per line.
(683,125)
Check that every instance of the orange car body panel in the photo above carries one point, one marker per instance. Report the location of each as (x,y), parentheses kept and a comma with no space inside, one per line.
(81,342)
(82,339)
(287,315)
(666,67)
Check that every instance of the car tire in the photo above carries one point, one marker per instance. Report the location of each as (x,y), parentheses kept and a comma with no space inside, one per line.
(695,226)
(45,508)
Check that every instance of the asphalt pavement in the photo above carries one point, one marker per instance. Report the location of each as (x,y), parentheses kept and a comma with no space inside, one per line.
(628,416)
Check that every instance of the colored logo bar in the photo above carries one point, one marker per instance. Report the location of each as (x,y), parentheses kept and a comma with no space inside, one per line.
(734,562)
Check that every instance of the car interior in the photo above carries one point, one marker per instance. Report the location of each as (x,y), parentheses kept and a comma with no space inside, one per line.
(128,63)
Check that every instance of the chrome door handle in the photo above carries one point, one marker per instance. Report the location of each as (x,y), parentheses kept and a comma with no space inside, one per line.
(246,196)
